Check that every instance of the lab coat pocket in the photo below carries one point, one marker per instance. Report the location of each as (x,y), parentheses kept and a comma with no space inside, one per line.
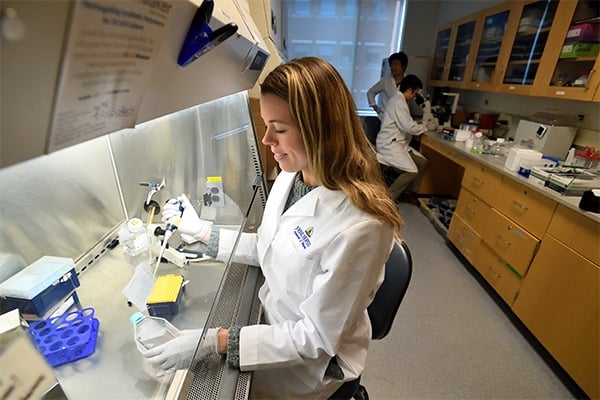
(297,273)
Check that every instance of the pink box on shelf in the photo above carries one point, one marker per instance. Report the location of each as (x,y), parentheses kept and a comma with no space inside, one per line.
(587,32)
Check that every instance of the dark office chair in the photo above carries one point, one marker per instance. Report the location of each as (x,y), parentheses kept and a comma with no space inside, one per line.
(383,308)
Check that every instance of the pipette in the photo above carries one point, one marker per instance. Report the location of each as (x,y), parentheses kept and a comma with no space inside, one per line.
(171,227)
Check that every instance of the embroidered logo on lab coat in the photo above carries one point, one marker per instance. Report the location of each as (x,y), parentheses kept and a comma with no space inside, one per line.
(303,236)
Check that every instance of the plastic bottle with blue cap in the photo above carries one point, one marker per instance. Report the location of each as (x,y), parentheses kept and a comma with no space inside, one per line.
(150,332)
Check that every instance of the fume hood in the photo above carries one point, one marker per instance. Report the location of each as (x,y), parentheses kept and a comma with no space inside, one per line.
(191,126)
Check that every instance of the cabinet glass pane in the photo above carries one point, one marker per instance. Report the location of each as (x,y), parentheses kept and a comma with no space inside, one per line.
(487,54)
(580,47)
(441,50)
(532,35)
(460,56)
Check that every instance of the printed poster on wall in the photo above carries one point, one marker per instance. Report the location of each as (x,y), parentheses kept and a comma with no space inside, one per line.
(106,65)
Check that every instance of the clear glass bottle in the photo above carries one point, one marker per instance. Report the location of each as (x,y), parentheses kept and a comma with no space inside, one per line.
(478,146)
(136,245)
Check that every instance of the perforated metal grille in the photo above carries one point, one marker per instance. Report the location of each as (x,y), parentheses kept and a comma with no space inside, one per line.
(209,373)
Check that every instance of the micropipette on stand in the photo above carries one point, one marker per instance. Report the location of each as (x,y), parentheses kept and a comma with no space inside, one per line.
(171,227)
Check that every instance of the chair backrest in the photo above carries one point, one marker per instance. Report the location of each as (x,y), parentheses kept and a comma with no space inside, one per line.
(383,309)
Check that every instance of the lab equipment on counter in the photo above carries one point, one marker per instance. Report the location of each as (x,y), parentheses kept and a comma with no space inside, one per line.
(41,286)
(552,140)
(568,181)
(165,297)
(518,156)
(66,338)
(135,241)
(590,201)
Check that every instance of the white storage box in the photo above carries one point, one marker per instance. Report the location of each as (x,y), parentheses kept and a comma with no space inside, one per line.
(517,156)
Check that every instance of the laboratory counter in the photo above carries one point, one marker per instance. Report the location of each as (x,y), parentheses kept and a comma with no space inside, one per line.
(456,151)
(537,250)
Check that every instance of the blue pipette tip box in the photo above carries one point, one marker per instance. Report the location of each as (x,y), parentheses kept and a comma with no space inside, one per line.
(41,285)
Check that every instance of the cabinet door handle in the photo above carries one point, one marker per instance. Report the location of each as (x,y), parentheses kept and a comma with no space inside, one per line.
(504,241)
(494,273)
(478,180)
(521,206)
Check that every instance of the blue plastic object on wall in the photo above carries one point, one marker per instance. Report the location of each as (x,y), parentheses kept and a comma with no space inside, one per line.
(200,38)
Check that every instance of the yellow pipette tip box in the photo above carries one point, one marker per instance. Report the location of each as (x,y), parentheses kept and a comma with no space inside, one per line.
(165,296)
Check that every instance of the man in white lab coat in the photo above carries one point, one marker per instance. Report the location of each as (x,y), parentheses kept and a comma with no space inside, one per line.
(402,165)
(387,86)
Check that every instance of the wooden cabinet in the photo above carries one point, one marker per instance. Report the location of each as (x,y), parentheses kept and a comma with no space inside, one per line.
(525,206)
(466,240)
(498,273)
(451,61)
(439,68)
(482,181)
(510,241)
(559,303)
(518,47)
(576,231)
(533,32)
(472,210)
(491,46)
(574,63)
(541,257)
(444,169)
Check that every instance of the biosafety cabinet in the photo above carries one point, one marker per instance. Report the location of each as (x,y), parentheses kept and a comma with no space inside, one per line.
(104,118)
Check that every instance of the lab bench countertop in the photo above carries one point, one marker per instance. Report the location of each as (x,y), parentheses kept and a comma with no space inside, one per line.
(497,163)
(115,370)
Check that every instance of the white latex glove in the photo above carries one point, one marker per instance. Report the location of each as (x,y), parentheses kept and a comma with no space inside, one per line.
(191,226)
(178,352)
(432,126)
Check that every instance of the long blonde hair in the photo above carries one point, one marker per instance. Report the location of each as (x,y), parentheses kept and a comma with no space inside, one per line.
(338,151)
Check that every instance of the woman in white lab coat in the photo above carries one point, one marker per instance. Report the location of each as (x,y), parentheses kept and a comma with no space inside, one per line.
(327,230)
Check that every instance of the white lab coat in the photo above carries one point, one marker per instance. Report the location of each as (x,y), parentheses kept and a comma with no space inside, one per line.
(393,139)
(386,88)
(323,261)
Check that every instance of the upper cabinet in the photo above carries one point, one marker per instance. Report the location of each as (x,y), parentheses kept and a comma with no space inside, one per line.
(459,64)
(573,71)
(533,33)
(539,48)
(439,70)
(491,48)
(451,59)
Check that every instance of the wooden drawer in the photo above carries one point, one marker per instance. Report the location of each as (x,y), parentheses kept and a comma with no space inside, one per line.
(559,303)
(577,231)
(505,281)
(482,181)
(528,208)
(510,241)
(472,210)
(464,238)
(446,150)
